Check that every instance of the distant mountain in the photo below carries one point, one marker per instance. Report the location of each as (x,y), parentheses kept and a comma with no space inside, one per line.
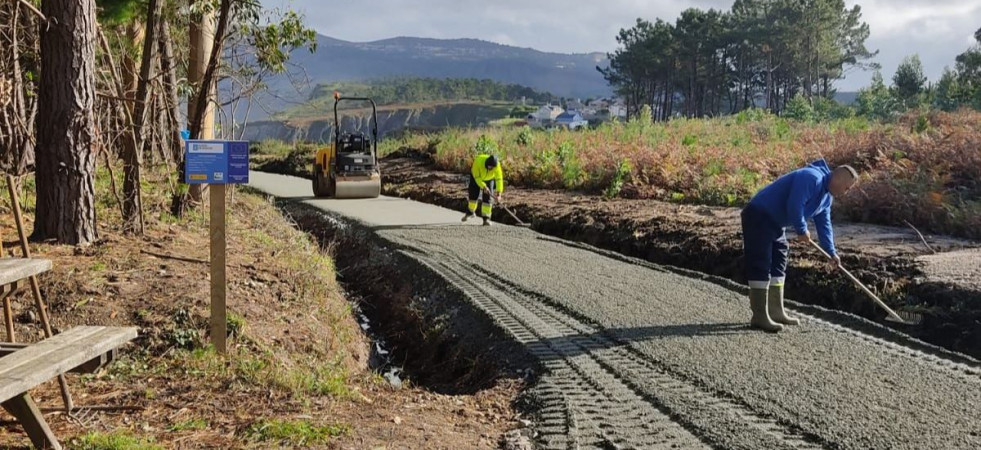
(566,75)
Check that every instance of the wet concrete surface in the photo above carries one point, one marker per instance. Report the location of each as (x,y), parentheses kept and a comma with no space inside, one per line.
(633,344)
(960,268)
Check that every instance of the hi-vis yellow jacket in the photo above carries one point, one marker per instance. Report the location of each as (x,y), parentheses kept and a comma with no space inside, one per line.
(482,175)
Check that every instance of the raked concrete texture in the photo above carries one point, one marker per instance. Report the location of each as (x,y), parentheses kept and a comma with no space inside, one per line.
(642,356)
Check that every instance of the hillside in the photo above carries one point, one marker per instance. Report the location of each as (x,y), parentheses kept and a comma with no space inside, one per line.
(310,125)
(565,75)
(402,92)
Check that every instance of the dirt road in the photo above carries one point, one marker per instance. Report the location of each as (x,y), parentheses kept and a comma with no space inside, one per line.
(644,356)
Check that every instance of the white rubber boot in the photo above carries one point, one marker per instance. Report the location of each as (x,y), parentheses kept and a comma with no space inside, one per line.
(761,320)
(775,306)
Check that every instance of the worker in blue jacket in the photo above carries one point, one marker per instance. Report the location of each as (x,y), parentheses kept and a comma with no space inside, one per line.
(788,202)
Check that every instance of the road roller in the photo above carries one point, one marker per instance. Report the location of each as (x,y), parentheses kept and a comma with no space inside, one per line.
(348,167)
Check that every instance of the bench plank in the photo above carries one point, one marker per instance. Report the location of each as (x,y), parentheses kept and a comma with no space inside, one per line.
(89,366)
(13,269)
(24,369)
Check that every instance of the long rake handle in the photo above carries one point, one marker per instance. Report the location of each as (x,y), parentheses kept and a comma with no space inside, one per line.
(858,283)
(515,217)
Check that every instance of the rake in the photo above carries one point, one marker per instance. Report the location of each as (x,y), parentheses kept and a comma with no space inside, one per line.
(520,223)
(910,319)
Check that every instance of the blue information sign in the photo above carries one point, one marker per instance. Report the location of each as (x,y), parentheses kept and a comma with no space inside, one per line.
(216,162)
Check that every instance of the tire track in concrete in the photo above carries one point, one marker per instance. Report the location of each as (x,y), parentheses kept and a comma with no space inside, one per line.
(562,341)
(584,404)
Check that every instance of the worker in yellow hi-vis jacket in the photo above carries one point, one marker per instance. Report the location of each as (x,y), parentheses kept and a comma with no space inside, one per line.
(486,186)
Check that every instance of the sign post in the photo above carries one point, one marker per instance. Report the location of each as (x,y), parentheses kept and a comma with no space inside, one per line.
(217,163)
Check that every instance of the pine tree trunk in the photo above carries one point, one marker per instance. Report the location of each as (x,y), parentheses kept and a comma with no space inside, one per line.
(66,128)
(133,157)
(171,98)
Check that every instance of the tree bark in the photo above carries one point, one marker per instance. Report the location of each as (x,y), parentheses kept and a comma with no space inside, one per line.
(133,157)
(65,132)
(172,100)
(202,36)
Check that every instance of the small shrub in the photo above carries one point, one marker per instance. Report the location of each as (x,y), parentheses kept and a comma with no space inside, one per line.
(616,185)
(525,137)
(799,108)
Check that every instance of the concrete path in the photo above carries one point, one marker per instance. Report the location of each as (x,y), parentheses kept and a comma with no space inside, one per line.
(641,356)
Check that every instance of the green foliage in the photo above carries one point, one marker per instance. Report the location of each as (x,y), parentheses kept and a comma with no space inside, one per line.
(116,12)
(485,146)
(418,90)
(526,137)
(752,115)
(876,102)
(183,332)
(947,93)
(274,41)
(707,57)
(293,432)
(520,112)
(117,440)
(799,108)
(922,124)
(909,81)
(619,177)
(189,425)
(235,324)
(572,173)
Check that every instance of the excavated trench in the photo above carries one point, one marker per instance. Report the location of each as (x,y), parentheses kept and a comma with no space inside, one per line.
(950,316)
(433,335)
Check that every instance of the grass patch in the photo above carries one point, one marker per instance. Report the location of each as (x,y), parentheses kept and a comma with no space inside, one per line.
(116,440)
(261,368)
(293,432)
(190,425)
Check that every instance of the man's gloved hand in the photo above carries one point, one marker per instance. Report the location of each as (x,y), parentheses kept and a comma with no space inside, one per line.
(835,262)
(498,197)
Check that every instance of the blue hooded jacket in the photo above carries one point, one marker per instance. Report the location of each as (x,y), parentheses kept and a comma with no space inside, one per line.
(800,195)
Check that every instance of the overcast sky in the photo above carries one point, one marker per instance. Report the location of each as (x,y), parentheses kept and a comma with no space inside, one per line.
(937,30)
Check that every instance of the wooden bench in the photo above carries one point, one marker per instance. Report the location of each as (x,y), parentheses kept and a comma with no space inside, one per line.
(24,367)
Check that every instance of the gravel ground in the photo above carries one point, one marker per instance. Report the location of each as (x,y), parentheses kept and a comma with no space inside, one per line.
(643,357)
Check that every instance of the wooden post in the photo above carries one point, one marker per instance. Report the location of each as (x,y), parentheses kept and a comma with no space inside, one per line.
(35,287)
(218,324)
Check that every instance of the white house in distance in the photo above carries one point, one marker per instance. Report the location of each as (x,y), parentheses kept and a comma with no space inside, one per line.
(618,110)
(572,120)
(545,116)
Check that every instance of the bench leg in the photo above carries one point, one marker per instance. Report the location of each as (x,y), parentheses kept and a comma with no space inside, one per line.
(27,413)
(8,317)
